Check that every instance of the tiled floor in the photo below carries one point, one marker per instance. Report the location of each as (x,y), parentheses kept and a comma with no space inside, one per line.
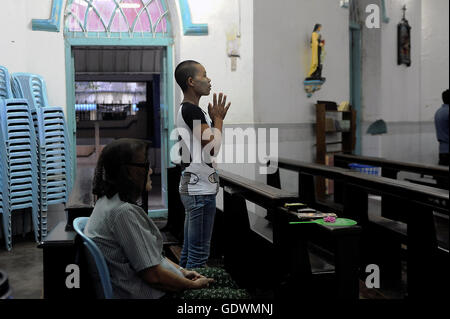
(23,265)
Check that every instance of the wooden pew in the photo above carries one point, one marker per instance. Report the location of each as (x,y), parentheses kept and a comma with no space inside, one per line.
(250,261)
(245,248)
(390,169)
(60,249)
(417,201)
(339,244)
(307,172)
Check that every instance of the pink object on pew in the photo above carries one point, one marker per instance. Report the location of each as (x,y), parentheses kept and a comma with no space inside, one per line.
(329,219)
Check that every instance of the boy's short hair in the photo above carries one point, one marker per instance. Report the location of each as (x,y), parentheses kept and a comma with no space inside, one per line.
(183,71)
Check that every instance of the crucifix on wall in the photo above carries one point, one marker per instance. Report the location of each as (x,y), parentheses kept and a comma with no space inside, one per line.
(404,41)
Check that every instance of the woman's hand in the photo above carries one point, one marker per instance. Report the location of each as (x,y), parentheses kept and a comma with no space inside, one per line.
(190,274)
(201,283)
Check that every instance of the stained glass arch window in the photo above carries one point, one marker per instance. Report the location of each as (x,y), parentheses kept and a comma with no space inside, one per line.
(115,18)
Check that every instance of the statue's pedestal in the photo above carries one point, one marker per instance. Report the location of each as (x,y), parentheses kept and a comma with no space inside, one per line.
(313,85)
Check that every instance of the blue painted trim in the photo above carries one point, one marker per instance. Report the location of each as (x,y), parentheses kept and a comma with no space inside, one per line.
(70,104)
(354,26)
(386,19)
(170,101)
(52,24)
(168,105)
(188,27)
(355,84)
(313,82)
(167,117)
(126,41)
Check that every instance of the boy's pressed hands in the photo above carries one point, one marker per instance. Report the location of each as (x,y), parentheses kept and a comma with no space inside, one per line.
(218,110)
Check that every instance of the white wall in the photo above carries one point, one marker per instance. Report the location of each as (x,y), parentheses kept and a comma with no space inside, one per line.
(434,72)
(210,50)
(24,50)
(400,85)
(282,55)
(391,91)
(405,97)
(282,58)
(434,55)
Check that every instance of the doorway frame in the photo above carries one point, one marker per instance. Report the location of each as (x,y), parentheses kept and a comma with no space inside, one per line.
(166,96)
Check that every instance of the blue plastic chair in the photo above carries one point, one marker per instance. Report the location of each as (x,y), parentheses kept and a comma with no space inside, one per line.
(5,86)
(33,88)
(79,224)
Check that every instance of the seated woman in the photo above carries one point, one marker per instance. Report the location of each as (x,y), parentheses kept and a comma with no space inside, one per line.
(129,240)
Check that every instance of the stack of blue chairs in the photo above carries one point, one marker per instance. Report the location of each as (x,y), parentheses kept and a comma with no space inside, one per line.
(4,202)
(19,167)
(54,157)
(5,87)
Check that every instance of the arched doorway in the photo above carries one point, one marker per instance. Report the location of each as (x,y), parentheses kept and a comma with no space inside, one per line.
(134,26)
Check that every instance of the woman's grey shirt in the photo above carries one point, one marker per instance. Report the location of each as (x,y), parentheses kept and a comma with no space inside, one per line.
(130,242)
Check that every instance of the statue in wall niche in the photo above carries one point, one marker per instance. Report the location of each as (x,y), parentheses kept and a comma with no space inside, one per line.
(317,49)
(404,41)
(314,80)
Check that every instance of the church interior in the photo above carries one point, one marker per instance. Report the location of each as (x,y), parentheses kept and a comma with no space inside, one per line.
(332,173)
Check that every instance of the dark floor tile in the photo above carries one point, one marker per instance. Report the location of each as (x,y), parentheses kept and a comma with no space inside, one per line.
(24,268)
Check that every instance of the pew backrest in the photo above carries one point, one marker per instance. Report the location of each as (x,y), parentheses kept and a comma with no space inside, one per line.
(342,160)
(255,191)
(430,196)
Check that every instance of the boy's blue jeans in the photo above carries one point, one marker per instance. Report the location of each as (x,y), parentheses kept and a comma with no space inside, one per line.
(198,227)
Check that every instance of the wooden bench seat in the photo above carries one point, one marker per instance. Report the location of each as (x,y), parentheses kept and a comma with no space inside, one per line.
(255,240)
(410,203)
(261,193)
